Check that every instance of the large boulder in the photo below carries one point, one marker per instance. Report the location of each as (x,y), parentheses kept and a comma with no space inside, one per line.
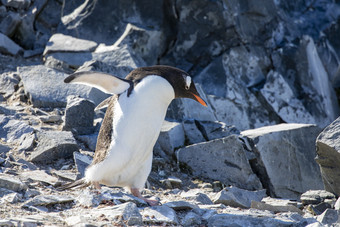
(221,159)
(328,156)
(287,152)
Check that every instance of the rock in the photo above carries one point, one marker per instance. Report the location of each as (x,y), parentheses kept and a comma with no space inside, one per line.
(13,130)
(192,133)
(276,205)
(64,43)
(9,24)
(27,142)
(236,197)
(197,197)
(39,176)
(11,183)
(4,149)
(79,114)
(209,159)
(328,156)
(216,130)
(45,87)
(149,44)
(50,118)
(12,197)
(287,152)
(53,145)
(47,200)
(319,208)
(191,219)
(18,4)
(171,137)
(280,96)
(27,165)
(315,196)
(172,182)
(89,140)
(329,217)
(180,205)
(7,46)
(7,84)
(337,204)
(159,215)
(81,161)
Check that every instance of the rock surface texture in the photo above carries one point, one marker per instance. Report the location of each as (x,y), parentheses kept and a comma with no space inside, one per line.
(268,70)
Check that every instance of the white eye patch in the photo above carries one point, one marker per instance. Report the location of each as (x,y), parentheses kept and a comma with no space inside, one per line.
(187,82)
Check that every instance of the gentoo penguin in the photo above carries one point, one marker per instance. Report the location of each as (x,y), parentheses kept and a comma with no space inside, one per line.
(132,123)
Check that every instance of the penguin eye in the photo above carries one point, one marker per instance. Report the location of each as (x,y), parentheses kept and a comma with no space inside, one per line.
(187,82)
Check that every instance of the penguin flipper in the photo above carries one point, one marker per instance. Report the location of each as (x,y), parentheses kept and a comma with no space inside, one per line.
(105,82)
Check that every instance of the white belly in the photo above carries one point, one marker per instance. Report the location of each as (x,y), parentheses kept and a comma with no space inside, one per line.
(137,123)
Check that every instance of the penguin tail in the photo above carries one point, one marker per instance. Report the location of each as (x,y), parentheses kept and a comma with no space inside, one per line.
(81,183)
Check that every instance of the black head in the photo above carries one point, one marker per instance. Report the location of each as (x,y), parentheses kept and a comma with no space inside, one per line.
(180,80)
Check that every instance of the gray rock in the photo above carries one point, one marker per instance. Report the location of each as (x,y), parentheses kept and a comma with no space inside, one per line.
(81,161)
(287,152)
(46,88)
(172,182)
(149,44)
(79,114)
(280,96)
(329,217)
(38,176)
(88,198)
(7,46)
(316,196)
(18,4)
(209,159)
(64,43)
(159,215)
(171,136)
(7,84)
(180,205)
(11,183)
(328,156)
(53,145)
(120,197)
(4,149)
(27,165)
(46,200)
(337,204)
(276,205)
(27,142)
(50,118)
(191,219)
(192,133)
(89,140)
(197,196)
(216,130)
(236,197)
(9,24)
(13,130)
(12,197)
(66,175)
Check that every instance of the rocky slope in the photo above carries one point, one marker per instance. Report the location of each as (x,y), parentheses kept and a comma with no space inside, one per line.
(269,71)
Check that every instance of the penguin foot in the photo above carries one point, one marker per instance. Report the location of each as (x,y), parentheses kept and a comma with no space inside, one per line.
(136,192)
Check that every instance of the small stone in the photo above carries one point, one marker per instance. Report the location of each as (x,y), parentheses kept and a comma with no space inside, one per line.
(236,197)
(50,118)
(11,183)
(13,130)
(171,137)
(191,219)
(66,175)
(172,182)
(27,142)
(27,165)
(159,215)
(89,140)
(180,205)
(319,208)
(315,196)
(31,193)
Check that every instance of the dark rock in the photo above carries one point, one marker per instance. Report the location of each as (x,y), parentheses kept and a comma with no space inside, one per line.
(287,152)
(79,114)
(216,130)
(328,156)
(329,217)
(159,214)
(53,145)
(17,4)
(89,140)
(209,159)
(11,183)
(192,133)
(7,46)
(46,88)
(9,24)
(27,165)
(191,219)
(171,137)
(81,161)
(236,197)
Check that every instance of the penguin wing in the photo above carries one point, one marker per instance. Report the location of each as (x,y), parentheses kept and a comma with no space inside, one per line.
(105,82)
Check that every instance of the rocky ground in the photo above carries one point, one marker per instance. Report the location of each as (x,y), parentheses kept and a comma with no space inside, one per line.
(263,153)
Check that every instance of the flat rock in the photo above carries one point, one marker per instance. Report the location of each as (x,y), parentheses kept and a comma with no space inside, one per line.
(7,46)
(276,205)
(11,183)
(328,156)
(159,215)
(13,130)
(39,176)
(281,97)
(191,219)
(197,197)
(192,133)
(45,87)
(329,217)
(180,205)
(7,84)
(79,114)
(216,129)
(236,197)
(287,152)
(53,145)
(81,161)
(64,43)
(316,196)
(46,200)
(209,159)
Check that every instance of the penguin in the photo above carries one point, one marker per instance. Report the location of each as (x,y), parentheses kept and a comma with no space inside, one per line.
(132,123)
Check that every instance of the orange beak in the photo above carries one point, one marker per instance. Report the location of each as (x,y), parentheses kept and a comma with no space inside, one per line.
(200,100)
